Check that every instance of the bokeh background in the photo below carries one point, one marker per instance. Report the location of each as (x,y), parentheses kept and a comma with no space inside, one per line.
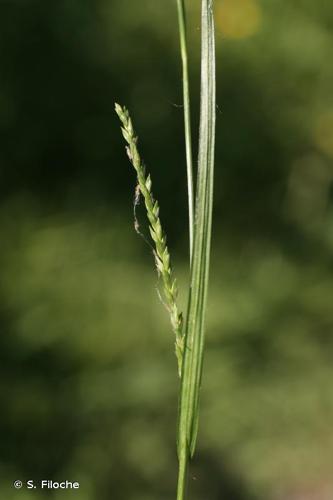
(88,376)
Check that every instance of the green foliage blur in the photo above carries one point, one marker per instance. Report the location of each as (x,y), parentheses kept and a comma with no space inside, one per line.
(88,375)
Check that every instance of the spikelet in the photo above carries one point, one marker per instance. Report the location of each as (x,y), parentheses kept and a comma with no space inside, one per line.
(161,252)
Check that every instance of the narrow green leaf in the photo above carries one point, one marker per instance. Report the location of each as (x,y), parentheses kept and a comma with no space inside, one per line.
(187,118)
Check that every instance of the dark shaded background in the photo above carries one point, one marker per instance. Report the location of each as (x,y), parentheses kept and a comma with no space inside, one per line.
(88,377)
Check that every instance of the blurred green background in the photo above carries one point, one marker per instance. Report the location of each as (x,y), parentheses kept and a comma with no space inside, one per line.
(88,376)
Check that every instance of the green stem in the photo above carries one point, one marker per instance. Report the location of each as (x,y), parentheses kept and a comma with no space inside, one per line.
(187,118)
(196,311)
(182,475)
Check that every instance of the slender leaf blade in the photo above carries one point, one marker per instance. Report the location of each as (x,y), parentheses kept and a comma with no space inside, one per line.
(187,117)
(194,342)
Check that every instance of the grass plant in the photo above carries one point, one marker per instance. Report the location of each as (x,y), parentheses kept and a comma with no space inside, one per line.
(189,333)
